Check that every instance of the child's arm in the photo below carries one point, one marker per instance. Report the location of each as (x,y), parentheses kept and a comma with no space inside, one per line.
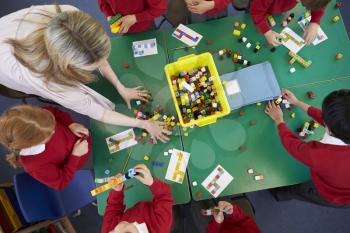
(60,116)
(219,5)
(241,221)
(155,9)
(317,15)
(54,176)
(162,204)
(258,12)
(114,210)
(106,8)
(294,145)
(316,114)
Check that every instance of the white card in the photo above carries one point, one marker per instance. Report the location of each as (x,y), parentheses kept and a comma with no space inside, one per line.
(121,141)
(217,181)
(144,47)
(187,35)
(177,166)
(232,87)
(292,40)
(321,36)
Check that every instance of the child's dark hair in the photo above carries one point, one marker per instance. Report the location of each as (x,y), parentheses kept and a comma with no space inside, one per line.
(336,114)
(314,4)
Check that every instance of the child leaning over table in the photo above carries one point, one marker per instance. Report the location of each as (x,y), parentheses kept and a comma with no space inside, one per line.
(261,9)
(138,15)
(46,142)
(145,217)
(328,159)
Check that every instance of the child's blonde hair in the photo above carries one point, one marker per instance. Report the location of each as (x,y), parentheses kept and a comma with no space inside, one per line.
(69,42)
(24,126)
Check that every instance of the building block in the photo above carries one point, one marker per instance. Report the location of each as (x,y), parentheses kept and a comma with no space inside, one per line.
(146,157)
(271,20)
(126,65)
(241,113)
(236,24)
(236,32)
(114,23)
(194,183)
(292,115)
(252,122)
(300,60)
(307,129)
(292,70)
(339,56)
(199,194)
(311,95)
(259,177)
(243,26)
(335,19)
(250,171)
(115,182)
(242,148)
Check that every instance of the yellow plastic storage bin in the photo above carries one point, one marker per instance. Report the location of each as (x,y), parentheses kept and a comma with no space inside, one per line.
(187,63)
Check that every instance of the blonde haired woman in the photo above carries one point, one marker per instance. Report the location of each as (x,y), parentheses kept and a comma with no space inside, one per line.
(51,51)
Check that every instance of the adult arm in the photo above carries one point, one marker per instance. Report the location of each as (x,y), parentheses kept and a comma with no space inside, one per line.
(106,8)
(114,210)
(258,12)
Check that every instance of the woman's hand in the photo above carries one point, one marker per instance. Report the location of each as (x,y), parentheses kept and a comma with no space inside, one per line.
(137,93)
(78,130)
(157,130)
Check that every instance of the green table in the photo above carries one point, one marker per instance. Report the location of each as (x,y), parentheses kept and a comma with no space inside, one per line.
(147,72)
(219,143)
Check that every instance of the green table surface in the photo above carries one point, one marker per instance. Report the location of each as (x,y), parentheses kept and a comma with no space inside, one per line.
(147,72)
(219,143)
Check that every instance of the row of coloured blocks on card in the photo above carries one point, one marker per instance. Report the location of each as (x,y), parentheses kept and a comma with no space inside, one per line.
(179,34)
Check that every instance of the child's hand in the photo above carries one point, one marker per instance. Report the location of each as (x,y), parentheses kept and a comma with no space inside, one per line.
(78,130)
(274,112)
(227,206)
(201,7)
(288,95)
(126,22)
(273,37)
(146,177)
(81,147)
(119,187)
(310,33)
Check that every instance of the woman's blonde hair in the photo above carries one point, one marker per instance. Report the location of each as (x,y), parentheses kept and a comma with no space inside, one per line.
(24,126)
(69,42)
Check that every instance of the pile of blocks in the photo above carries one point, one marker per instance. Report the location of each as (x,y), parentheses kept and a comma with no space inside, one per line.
(307,129)
(283,103)
(156,114)
(196,94)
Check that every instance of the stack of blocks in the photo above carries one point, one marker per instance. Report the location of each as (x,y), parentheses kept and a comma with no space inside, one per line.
(307,129)
(300,60)
(283,103)
(196,94)
(156,114)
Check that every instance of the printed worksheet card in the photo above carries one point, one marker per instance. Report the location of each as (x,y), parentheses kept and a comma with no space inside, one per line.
(321,36)
(121,141)
(177,166)
(291,40)
(187,35)
(217,181)
(145,47)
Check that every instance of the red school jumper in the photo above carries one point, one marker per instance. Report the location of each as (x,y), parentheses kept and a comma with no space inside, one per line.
(237,222)
(56,166)
(220,5)
(145,11)
(157,214)
(329,164)
(260,9)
